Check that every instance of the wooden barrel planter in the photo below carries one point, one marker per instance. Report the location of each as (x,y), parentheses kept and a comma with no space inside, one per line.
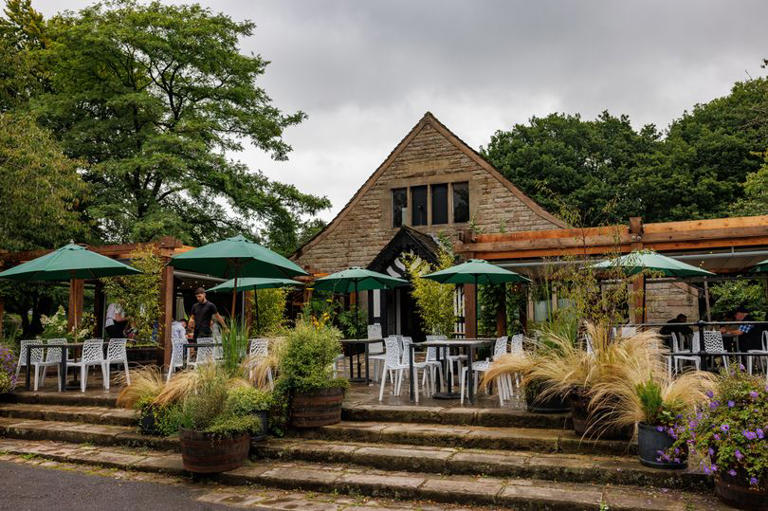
(651,442)
(553,404)
(202,454)
(318,408)
(588,423)
(735,492)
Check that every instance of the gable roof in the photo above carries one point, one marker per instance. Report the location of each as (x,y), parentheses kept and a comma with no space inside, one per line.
(431,120)
(406,239)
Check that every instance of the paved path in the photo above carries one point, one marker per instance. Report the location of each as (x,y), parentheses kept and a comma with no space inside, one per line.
(34,488)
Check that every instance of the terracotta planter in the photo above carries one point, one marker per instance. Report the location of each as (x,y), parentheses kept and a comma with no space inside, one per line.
(735,492)
(650,441)
(555,404)
(588,423)
(202,454)
(317,408)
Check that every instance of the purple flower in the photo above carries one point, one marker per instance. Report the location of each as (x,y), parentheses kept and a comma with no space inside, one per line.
(749,435)
(714,404)
(714,467)
(707,470)
(753,481)
(753,394)
(725,428)
(732,473)
(731,404)
(760,433)
(711,451)
(742,368)
(659,428)
(716,436)
(738,455)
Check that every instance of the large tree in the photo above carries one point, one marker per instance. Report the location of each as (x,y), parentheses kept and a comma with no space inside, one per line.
(22,75)
(157,99)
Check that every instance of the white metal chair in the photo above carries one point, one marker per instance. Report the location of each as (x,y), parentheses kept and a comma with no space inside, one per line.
(452,359)
(218,351)
(37,354)
(205,352)
(117,354)
(687,355)
(426,368)
(376,354)
(177,355)
(762,360)
(395,363)
(713,343)
(481,366)
(52,358)
(435,365)
(259,349)
(92,355)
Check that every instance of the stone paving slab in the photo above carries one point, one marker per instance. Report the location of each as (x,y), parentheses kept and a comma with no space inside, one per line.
(518,493)
(69,413)
(91,397)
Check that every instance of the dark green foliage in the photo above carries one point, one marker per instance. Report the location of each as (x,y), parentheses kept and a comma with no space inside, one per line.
(732,294)
(652,402)
(306,359)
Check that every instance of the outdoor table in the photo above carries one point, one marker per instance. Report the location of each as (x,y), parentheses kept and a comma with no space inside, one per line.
(367,343)
(63,364)
(187,345)
(470,345)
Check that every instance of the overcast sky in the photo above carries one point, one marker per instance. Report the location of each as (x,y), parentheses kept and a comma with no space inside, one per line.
(366,71)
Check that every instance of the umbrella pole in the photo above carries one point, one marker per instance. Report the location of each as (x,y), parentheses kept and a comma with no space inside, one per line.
(234,295)
(256,308)
(477,310)
(357,322)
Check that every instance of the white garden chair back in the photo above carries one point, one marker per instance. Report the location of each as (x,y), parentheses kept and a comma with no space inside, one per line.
(177,355)
(516,344)
(52,358)
(713,343)
(178,331)
(481,366)
(687,355)
(374,331)
(259,349)
(764,351)
(205,352)
(36,355)
(117,354)
(92,355)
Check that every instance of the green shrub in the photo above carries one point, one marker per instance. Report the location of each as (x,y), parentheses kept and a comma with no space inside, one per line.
(307,357)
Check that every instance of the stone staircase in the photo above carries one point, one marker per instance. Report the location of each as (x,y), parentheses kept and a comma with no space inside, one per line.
(494,458)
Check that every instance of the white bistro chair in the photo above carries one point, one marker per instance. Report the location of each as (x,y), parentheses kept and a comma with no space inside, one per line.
(205,352)
(259,350)
(92,355)
(713,343)
(481,366)
(52,358)
(177,355)
(376,354)
(37,354)
(117,354)
(763,361)
(682,354)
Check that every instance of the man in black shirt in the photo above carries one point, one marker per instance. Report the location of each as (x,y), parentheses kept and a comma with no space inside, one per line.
(673,328)
(202,314)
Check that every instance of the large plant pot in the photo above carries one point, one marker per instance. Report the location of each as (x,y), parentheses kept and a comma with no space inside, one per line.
(554,404)
(735,492)
(586,423)
(651,442)
(203,454)
(317,408)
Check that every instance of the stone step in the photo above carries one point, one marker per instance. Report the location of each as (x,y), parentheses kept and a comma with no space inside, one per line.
(576,468)
(69,398)
(88,414)
(474,437)
(82,433)
(493,492)
(490,417)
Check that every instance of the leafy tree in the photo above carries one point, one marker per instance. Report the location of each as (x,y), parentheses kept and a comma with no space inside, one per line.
(731,294)
(270,317)
(755,200)
(41,188)
(434,301)
(22,75)
(155,98)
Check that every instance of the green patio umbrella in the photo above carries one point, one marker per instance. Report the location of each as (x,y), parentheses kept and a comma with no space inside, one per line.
(761,267)
(67,263)
(638,261)
(234,258)
(357,279)
(476,271)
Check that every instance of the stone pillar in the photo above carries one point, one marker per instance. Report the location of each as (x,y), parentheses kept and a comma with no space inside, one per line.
(470,311)
(75,311)
(167,296)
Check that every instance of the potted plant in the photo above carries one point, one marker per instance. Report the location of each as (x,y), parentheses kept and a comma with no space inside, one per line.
(141,395)
(730,434)
(306,374)
(218,415)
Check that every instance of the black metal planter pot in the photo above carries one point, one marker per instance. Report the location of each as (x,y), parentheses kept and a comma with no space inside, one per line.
(554,404)
(650,442)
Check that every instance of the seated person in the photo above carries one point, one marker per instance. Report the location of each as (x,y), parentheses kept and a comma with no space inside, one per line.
(115,321)
(748,336)
(672,328)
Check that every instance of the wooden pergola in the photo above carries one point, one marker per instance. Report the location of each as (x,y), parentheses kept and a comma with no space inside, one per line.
(726,246)
(166,248)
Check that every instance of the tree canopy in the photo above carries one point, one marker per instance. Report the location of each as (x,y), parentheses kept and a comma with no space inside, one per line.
(610,171)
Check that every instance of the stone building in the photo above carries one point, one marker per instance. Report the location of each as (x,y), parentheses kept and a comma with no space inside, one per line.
(431,184)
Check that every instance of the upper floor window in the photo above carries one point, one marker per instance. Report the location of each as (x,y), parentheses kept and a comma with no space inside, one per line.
(439,204)
(460,202)
(399,202)
(419,201)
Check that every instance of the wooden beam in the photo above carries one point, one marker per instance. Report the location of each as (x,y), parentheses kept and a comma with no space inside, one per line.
(76,292)
(470,311)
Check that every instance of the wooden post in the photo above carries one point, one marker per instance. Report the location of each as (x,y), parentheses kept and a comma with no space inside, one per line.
(75,314)
(248,309)
(98,309)
(638,306)
(167,294)
(470,311)
(706,299)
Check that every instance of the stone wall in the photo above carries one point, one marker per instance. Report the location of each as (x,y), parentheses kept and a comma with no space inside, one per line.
(429,155)
(667,299)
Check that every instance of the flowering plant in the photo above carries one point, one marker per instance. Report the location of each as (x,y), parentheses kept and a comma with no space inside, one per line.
(730,431)
(7,370)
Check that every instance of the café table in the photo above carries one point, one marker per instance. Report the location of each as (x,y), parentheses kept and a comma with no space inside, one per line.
(367,344)
(469,345)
